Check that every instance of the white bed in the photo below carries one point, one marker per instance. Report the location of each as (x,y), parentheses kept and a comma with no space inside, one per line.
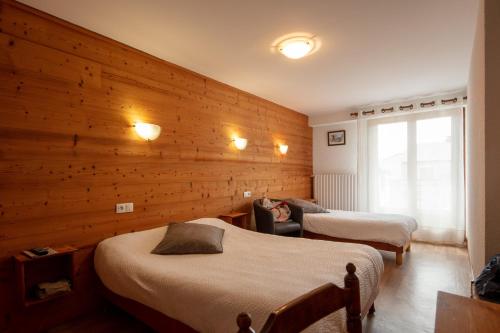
(256,273)
(394,230)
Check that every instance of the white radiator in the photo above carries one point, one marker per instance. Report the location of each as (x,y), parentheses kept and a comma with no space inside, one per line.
(336,191)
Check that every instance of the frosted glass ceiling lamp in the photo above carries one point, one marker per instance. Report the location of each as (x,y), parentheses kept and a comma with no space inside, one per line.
(240,143)
(283,149)
(296,47)
(148,132)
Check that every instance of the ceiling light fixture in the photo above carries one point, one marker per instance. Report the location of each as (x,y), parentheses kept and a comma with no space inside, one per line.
(297,47)
(283,149)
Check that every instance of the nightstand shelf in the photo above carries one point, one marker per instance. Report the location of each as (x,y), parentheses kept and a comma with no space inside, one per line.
(48,268)
(30,301)
(238,219)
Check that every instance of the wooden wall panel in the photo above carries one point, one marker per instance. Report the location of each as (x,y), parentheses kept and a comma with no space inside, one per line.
(68,152)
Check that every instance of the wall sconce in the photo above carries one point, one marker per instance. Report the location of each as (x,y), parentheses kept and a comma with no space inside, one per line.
(147,131)
(240,143)
(283,149)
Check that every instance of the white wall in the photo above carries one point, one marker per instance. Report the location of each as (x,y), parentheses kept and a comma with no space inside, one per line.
(475,150)
(339,159)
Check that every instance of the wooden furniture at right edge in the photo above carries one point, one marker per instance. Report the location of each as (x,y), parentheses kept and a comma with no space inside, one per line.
(458,314)
(399,250)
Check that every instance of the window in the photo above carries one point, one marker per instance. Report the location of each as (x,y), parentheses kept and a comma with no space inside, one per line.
(415,167)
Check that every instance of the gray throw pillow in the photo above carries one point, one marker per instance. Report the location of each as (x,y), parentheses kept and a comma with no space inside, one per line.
(190,238)
(307,206)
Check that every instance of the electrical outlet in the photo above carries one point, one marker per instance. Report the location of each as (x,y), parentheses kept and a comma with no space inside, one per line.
(247,194)
(127,207)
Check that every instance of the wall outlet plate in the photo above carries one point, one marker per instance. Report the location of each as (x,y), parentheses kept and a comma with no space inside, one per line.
(127,207)
(247,194)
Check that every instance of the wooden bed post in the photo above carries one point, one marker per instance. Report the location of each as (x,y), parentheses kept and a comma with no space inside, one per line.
(244,322)
(400,251)
(353,306)
(399,258)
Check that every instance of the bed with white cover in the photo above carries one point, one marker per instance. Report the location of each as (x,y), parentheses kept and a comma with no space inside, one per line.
(256,273)
(391,232)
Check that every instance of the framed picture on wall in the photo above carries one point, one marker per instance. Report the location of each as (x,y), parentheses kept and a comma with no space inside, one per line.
(336,138)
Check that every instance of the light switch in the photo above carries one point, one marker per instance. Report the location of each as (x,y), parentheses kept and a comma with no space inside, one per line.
(247,194)
(127,207)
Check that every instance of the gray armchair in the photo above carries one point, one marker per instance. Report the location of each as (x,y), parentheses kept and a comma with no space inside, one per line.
(265,222)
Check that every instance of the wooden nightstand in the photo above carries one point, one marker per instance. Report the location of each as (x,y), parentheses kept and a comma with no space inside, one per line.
(48,268)
(238,219)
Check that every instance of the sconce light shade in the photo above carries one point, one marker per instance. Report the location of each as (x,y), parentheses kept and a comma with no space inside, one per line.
(283,149)
(240,143)
(147,131)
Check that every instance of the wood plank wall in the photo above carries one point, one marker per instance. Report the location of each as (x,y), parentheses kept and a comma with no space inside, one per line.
(68,153)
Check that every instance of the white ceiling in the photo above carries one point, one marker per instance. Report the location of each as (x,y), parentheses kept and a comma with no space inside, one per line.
(372,50)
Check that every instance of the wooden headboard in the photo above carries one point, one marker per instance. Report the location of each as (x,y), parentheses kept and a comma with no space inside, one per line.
(68,151)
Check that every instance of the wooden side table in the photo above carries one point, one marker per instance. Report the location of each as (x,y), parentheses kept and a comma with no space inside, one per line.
(238,219)
(460,314)
(48,268)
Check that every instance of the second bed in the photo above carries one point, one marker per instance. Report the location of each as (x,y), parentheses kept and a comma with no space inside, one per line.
(389,232)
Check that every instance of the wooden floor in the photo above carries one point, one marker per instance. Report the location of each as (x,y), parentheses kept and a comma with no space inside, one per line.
(408,293)
(406,303)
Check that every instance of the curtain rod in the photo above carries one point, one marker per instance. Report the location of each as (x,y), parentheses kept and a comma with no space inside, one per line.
(413,105)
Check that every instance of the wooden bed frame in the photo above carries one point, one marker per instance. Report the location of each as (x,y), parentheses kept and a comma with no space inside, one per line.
(292,317)
(378,245)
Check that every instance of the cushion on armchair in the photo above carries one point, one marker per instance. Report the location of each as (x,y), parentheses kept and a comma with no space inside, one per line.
(281,211)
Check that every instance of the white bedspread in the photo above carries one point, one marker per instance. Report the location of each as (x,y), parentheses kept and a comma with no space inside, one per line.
(256,273)
(388,228)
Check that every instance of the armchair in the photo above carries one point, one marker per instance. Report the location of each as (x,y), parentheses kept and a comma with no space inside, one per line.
(265,222)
